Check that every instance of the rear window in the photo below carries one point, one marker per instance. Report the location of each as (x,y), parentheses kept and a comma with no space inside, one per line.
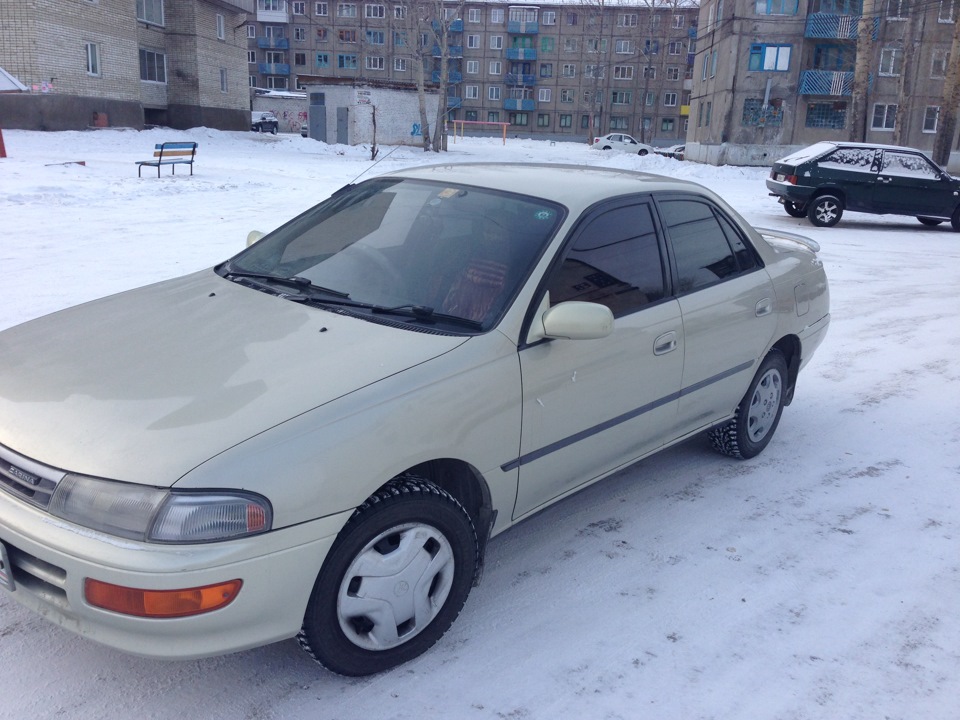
(808,153)
(858,159)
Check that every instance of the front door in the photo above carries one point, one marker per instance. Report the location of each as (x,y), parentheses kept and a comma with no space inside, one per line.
(908,183)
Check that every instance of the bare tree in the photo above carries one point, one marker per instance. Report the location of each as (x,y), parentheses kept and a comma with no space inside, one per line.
(412,21)
(947,124)
(445,14)
(861,71)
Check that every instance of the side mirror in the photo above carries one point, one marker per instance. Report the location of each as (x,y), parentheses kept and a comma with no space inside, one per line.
(253,236)
(578,321)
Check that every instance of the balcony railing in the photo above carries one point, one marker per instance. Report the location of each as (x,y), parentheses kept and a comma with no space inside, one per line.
(518,27)
(455,26)
(825,82)
(273,68)
(521,54)
(452,77)
(838,27)
(515,104)
(520,79)
(271,43)
(455,51)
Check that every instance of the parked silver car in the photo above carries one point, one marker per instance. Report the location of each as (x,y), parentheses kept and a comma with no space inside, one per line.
(318,437)
(622,141)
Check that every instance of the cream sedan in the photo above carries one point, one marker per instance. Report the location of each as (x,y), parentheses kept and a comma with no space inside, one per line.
(318,437)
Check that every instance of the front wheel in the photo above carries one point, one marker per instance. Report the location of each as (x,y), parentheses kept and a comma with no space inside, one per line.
(758,414)
(642,153)
(395,580)
(274,130)
(825,211)
(794,210)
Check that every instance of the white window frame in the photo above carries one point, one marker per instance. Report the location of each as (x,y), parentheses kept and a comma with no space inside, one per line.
(399,64)
(568,70)
(221,27)
(678,23)
(471,92)
(251,56)
(347,10)
(888,124)
(251,31)
(670,99)
(473,42)
(496,16)
(320,9)
(673,72)
(927,128)
(299,34)
(544,95)
(890,62)
(495,68)
(947,5)
(148,11)
(938,63)
(374,11)
(374,62)
(897,10)
(496,42)
(623,72)
(399,12)
(299,7)
(627,20)
(549,17)
(473,67)
(92,51)
(493,93)
(623,47)
(224,85)
(474,15)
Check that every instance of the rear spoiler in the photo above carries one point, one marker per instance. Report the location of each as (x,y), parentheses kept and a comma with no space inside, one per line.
(812,245)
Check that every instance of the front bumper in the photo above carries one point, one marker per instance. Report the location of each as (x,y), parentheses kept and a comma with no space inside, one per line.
(49,560)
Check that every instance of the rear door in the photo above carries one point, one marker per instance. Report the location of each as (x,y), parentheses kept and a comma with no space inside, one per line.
(851,172)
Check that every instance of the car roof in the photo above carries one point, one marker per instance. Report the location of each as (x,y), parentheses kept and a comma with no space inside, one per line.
(571,185)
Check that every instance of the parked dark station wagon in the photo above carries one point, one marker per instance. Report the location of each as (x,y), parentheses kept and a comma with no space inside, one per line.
(824,179)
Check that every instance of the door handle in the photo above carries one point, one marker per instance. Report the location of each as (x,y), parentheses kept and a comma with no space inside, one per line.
(884,180)
(665,343)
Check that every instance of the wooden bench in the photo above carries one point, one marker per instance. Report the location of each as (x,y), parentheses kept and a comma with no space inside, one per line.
(172,154)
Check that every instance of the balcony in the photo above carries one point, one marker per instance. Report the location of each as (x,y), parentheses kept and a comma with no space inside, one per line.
(524,105)
(520,79)
(684,110)
(271,43)
(455,51)
(453,77)
(518,27)
(825,82)
(456,26)
(273,68)
(837,27)
(454,102)
(521,54)
(273,16)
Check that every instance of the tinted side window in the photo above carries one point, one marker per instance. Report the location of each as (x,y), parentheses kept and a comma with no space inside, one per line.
(615,261)
(745,256)
(700,246)
(908,165)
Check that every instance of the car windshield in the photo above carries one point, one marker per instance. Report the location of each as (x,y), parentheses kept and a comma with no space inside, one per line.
(392,244)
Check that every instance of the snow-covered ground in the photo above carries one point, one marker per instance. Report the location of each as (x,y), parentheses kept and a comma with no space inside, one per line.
(819,580)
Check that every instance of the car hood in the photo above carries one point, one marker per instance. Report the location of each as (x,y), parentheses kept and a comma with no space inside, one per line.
(145,385)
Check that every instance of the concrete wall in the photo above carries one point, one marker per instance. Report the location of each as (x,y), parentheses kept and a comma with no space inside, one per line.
(397,113)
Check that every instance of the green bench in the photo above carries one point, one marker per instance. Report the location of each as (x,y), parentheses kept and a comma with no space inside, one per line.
(172,154)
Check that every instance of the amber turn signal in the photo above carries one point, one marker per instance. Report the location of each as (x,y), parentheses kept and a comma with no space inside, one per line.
(160,603)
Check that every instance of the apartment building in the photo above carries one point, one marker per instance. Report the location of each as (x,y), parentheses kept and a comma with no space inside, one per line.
(553,70)
(129,63)
(774,75)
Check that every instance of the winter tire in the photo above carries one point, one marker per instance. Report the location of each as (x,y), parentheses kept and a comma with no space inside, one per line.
(932,222)
(642,153)
(758,414)
(825,211)
(395,580)
(794,210)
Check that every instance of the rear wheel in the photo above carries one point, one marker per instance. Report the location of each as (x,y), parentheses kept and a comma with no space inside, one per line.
(825,211)
(929,220)
(794,210)
(395,580)
(642,153)
(758,414)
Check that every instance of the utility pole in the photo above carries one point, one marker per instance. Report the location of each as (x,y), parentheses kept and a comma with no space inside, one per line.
(947,124)
(861,72)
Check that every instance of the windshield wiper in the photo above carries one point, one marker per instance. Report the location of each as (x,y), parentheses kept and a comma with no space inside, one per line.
(296,281)
(424,312)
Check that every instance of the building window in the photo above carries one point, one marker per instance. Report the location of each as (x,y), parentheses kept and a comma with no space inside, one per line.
(623,47)
(221,27)
(619,122)
(765,57)
(300,34)
(299,7)
(276,83)
(473,67)
(400,12)
(645,124)
(667,125)
(496,18)
(938,65)
(650,72)
(546,70)
(374,63)
(347,36)
(150,11)
(474,15)
(347,61)
(930,116)
(518,118)
(470,115)
(252,79)
(569,44)
(495,67)
(493,115)
(627,20)
(496,42)
(549,17)
(566,121)
(93,59)
(346,10)
(884,117)
(678,22)
(569,70)
(153,66)
(946,12)
(623,72)
(567,95)
(675,48)
(778,7)
(323,60)
(890,59)
(471,92)
(223,80)
(473,41)
(621,97)
(673,73)
(545,94)
(597,45)
(713,62)
(300,58)
(670,99)
(251,56)
(272,5)
(321,34)
(708,114)
(376,37)
(594,71)
(651,47)
(648,101)
(543,120)
(320,9)
(571,18)
(755,114)
(897,9)
(374,11)
(400,64)
(546,44)
(251,31)
(493,92)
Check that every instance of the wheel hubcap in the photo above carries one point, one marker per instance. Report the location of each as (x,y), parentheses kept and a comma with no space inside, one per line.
(764,405)
(826,212)
(395,586)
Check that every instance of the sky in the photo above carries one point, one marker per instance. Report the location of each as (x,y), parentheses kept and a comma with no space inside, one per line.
(820,579)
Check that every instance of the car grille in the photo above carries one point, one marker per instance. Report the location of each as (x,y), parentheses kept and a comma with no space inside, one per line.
(27,480)
(43,579)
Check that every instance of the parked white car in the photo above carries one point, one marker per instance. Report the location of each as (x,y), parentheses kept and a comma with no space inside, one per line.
(318,437)
(621,141)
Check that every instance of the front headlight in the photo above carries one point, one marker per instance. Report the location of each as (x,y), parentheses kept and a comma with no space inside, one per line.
(156,515)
